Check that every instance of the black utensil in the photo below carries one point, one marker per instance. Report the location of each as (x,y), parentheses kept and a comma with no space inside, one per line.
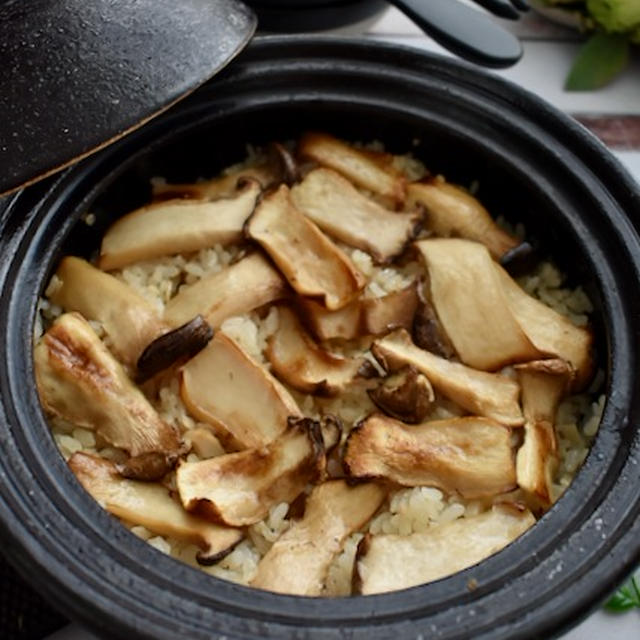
(464,31)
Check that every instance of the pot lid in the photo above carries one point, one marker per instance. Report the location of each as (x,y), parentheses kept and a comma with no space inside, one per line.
(77,75)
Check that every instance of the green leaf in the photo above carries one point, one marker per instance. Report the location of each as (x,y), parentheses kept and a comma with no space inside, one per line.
(627,597)
(601,58)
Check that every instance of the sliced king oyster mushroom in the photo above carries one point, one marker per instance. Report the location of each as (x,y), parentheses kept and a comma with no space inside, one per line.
(544,383)
(239,288)
(226,388)
(127,318)
(451,211)
(490,395)
(299,362)
(238,489)
(406,395)
(469,456)
(470,302)
(345,214)
(313,264)
(354,164)
(363,316)
(551,332)
(298,562)
(181,343)
(80,381)
(151,506)
(177,226)
(389,562)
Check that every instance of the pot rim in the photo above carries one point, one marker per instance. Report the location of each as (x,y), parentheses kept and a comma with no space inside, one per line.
(62,584)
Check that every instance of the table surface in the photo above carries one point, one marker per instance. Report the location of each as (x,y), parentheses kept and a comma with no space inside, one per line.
(612,113)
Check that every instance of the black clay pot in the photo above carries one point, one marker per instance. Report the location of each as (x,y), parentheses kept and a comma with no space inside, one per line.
(533,164)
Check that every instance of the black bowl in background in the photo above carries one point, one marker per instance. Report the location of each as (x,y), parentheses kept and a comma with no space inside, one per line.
(290,16)
(533,164)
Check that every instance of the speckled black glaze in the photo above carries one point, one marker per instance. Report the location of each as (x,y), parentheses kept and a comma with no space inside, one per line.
(533,164)
(75,74)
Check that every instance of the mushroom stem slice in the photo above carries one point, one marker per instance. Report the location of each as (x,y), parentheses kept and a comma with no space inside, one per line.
(356,165)
(313,265)
(220,187)
(297,360)
(238,489)
(486,394)
(396,310)
(224,387)
(390,562)
(281,157)
(298,562)
(406,395)
(177,226)
(80,381)
(245,285)
(344,213)
(543,383)
(549,331)
(151,506)
(451,211)
(181,343)
(470,456)
(471,305)
(127,318)
(427,330)
(362,317)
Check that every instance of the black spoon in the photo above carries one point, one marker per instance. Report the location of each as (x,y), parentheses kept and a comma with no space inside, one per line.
(464,31)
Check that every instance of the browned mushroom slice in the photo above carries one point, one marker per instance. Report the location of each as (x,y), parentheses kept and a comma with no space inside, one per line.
(221,187)
(184,342)
(331,429)
(313,265)
(151,506)
(394,311)
(226,388)
(452,211)
(487,394)
(203,442)
(340,210)
(343,323)
(299,560)
(365,316)
(390,562)
(282,158)
(469,300)
(245,285)
(427,330)
(79,380)
(550,332)
(128,319)
(177,226)
(297,360)
(470,456)
(356,165)
(406,395)
(238,489)
(543,383)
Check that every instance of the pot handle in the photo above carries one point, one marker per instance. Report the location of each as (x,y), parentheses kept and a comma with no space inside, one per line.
(464,31)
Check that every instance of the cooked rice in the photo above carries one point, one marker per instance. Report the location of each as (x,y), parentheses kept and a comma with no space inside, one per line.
(407,510)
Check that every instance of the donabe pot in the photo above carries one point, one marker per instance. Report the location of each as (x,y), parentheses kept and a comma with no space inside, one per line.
(533,165)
